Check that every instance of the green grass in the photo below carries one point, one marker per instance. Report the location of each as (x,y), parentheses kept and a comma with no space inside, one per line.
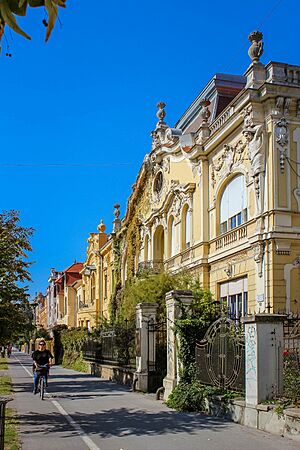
(3,364)
(11,438)
(5,385)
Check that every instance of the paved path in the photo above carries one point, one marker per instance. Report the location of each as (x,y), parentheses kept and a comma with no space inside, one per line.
(83,412)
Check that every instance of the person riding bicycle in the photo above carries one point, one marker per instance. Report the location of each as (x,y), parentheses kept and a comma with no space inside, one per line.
(41,357)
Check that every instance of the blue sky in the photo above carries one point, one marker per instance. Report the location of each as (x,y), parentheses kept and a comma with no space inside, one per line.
(88,96)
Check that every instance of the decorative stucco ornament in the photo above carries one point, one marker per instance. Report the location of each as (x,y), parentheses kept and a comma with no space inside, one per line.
(281,137)
(258,253)
(101,227)
(163,135)
(256,49)
(230,158)
(281,132)
(161,113)
(116,210)
(205,112)
(116,221)
(255,139)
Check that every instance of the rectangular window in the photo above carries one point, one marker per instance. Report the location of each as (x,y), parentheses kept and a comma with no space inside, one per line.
(66,306)
(232,222)
(105,286)
(235,294)
(245,312)
(239,219)
(223,227)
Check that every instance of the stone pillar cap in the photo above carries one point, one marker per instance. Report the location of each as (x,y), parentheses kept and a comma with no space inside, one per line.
(264,317)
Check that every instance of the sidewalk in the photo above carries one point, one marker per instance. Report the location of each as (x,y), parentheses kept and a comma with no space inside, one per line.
(85,412)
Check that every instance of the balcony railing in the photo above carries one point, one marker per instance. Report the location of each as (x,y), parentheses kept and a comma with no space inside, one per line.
(154,266)
(234,235)
(186,254)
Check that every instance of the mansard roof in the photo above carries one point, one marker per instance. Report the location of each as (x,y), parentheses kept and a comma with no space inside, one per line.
(220,90)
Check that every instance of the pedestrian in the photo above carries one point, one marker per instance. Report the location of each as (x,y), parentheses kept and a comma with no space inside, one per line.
(9,350)
(2,351)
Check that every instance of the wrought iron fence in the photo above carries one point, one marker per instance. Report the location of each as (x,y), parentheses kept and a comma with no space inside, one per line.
(220,355)
(291,357)
(111,347)
(157,369)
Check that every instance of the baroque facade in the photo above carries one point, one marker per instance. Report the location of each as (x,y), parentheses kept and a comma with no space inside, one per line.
(218,195)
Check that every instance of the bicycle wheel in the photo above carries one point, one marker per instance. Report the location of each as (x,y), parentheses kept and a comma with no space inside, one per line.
(42,387)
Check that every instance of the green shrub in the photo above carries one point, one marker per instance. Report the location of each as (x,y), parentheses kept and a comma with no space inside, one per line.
(72,342)
(291,375)
(190,397)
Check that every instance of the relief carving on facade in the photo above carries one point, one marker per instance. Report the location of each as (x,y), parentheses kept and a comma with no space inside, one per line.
(282,106)
(282,139)
(256,142)
(296,262)
(230,158)
(258,251)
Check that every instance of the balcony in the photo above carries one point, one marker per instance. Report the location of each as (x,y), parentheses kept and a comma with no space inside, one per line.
(232,236)
(154,266)
(186,255)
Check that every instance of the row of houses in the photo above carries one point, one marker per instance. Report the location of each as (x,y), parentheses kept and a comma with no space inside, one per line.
(218,195)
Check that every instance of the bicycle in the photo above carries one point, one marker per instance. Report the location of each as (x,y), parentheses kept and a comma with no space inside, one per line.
(42,371)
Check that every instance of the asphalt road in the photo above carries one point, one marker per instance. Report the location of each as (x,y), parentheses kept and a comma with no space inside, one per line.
(84,412)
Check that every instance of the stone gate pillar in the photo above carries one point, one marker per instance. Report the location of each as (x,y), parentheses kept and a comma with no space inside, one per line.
(173,300)
(145,343)
(264,353)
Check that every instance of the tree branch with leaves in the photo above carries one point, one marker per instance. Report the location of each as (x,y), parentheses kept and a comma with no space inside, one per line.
(14,273)
(9,9)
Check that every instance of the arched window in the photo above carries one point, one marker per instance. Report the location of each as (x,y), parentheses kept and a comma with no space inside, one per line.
(171,237)
(93,288)
(158,244)
(146,248)
(233,204)
(186,227)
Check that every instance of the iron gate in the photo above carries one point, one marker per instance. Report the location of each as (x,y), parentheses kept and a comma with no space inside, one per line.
(220,356)
(157,354)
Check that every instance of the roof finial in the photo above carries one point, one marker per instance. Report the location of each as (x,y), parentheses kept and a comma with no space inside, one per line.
(117,221)
(101,227)
(161,113)
(257,47)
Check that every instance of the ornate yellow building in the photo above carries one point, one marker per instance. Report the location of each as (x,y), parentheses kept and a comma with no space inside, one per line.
(94,290)
(66,295)
(219,194)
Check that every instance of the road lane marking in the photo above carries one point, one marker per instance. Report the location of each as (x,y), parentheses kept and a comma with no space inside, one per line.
(25,368)
(91,445)
(88,441)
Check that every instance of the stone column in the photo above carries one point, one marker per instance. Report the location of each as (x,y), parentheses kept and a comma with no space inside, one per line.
(264,365)
(145,314)
(173,300)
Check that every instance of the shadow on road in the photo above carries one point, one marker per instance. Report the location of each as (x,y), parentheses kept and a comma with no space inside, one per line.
(123,422)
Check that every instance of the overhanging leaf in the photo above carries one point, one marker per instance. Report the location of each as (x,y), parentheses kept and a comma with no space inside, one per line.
(36,3)
(52,10)
(10,19)
(18,7)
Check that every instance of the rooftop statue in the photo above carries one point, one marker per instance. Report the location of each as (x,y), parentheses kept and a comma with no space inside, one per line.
(256,49)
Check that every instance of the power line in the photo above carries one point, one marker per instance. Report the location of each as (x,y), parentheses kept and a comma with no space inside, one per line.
(110,164)
(259,27)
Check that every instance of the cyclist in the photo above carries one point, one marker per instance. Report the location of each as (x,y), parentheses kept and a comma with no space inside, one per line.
(40,357)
